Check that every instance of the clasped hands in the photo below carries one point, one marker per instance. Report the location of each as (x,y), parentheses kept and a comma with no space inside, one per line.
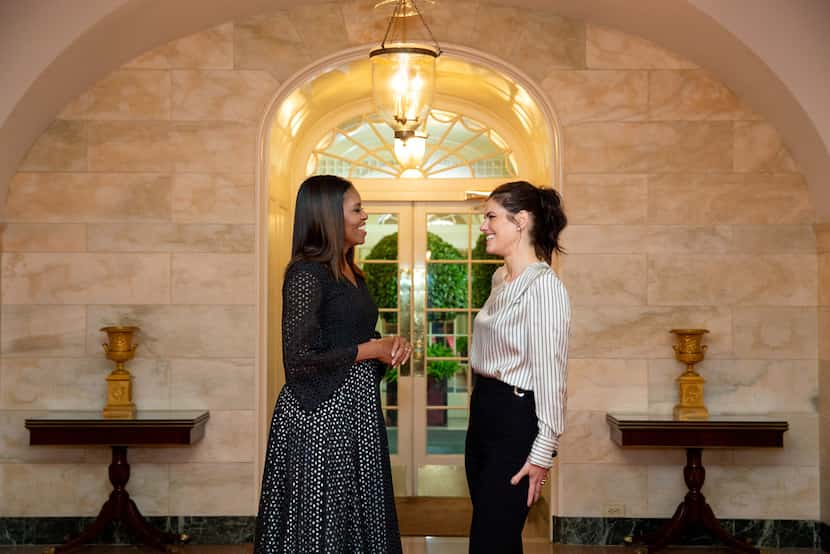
(393,351)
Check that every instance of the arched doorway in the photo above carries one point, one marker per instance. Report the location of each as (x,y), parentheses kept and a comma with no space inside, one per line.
(424,258)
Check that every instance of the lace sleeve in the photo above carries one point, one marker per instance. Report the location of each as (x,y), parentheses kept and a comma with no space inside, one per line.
(304,355)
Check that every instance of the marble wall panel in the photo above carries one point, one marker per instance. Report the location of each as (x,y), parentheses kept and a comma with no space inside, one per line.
(226,384)
(747,386)
(15,448)
(30,330)
(366,25)
(787,492)
(214,198)
(608,48)
(78,383)
(495,27)
(774,238)
(53,489)
(605,279)
(130,94)
(643,332)
(606,199)
(149,487)
(183,331)
(170,237)
(823,332)
(62,147)
(748,280)
(759,148)
(43,237)
(693,147)
(607,384)
(321,27)
(598,95)
(689,239)
(589,487)
(775,333)
(228,147)
(449,22)
(67,197)
(692,95)
(269,42)
(212,489)
(824,468)
(824,281)
(609,147)
(213,279)
(604,239)
(723,198)
(221,95)
(85,278)
(131,146)
(822,231)
(801,445)
(209,49)
(229,437)
(548,42)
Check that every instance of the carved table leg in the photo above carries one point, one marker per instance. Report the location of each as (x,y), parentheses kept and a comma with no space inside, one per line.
(119,507)
(692,510)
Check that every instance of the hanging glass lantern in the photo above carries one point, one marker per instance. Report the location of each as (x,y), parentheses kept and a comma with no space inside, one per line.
(403,71)
(410,151)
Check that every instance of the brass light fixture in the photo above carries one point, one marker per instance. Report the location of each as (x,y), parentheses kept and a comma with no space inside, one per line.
(403,70)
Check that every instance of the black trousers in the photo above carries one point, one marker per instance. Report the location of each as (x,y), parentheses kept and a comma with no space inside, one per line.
(501,432)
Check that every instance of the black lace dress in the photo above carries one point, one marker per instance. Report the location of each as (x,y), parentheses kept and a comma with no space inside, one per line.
(327,482)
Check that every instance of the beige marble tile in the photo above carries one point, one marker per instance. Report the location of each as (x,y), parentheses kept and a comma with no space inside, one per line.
(213,489)
(126,94)
(213,279)
(774,238)
(692,95)
(67,197)
(214,147)
(61,147)
(43,237)
(85,278)
(689,239)
(53,489)
(214,95)
(230,437)
(210,49)
(15,448)
(495,27)
(548,41)
(665,488)
(269,42)
(643,332)
(202,383)
(741,239)
(724,198)
(605,279)
(749,386)
(759,148)
(824,280)
(775,333)
(606,199)
(310,18)
(732,279)
(37,383)
(607,384)
(365,24)
(204,198)
(609,147)
(609,48)
(786,492)
(181,331)
(589,487)
(170,237)
(801,445)
(823,333)
(694,146)
(604,239)
(824,468)
(449,21)
(131,146)
(598,95)
(42,330)
(823,394)
(149,487)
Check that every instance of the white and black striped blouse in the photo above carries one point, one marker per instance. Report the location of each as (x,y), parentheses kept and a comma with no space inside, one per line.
(520,337)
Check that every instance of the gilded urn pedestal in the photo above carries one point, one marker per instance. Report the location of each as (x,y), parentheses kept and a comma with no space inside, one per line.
(120,349)
(690,351)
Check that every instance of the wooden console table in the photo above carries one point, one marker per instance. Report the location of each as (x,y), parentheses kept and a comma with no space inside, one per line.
(652,431)
(149,428)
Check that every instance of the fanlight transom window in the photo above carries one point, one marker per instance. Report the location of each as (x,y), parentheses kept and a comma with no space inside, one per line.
(457,147)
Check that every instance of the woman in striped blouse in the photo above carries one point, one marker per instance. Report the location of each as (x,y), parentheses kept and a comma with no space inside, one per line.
(519,356)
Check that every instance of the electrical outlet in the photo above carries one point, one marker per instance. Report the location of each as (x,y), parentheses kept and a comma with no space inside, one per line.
(614,510)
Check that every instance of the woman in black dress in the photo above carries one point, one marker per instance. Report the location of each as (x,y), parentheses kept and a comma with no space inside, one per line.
(327,483)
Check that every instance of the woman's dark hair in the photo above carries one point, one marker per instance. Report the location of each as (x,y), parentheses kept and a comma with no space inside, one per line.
(545,205)
(319,229)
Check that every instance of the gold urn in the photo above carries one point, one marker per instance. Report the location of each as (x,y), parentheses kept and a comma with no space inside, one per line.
(690,351)
(120,349)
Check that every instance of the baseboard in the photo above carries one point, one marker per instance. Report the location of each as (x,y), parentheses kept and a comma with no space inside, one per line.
(768,533)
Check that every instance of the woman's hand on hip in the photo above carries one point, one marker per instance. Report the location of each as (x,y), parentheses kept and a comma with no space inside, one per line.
(537,476)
